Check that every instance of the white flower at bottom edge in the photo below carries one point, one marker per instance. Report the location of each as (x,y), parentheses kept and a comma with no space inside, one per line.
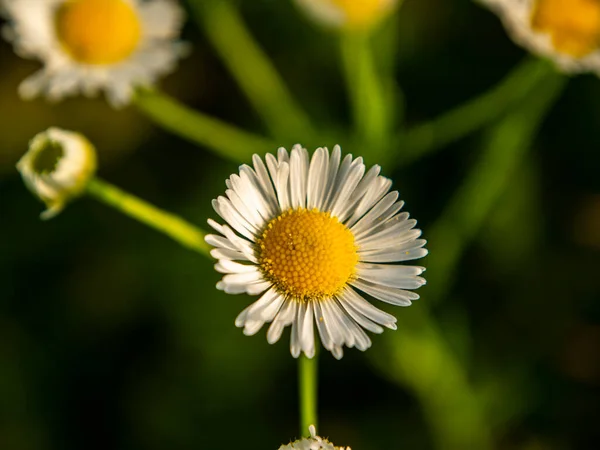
(348,14)
(57,167)
(314,442)
(91,45)
(313,236)
(565,31)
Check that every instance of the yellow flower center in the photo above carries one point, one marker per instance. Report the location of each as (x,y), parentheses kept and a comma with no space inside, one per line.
(307,254)
(573,25)
(362,13)
(98,31)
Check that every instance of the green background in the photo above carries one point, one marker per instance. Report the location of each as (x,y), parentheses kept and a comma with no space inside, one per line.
(114,337)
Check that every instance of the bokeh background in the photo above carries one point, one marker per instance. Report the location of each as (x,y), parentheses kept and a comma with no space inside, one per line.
(114,337)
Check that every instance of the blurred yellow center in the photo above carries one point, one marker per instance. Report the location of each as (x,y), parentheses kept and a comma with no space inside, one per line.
(98,31)
(573,25)
(362,13)
(307,254)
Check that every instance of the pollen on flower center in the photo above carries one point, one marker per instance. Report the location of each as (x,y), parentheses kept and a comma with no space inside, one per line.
(573,25)
(307,254)
(361,12)
(98,31)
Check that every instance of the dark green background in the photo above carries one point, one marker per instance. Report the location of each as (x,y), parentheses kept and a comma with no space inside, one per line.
(114,337)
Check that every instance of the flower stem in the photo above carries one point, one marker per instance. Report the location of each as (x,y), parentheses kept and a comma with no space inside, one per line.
(173,226)
(472,115)
(251,68)
(307,390)
(369,107)
(467,210)
(223,139)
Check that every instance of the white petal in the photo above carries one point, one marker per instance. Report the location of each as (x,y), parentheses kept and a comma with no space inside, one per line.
(295,346)
(298,176)
(363,321)
(228,266)
(281,186)
(405,277)
(368,310)
(306,330)
(340,207)
(317,178)
(375,213)
(282,319)
(326,340)
(386,294)
(407,252)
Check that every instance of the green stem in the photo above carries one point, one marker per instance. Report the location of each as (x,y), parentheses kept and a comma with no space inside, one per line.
(307,390)
(225,140)
(469,207)
(419,357)
(472,115)
(367,99)
(173,226)
(251,68)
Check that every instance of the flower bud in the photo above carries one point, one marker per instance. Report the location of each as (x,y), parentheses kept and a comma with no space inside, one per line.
(57,167)
(314,442)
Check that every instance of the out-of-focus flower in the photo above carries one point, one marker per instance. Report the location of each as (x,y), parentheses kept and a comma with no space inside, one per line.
(566,31)
(57,167)
(348,14)
(308,235)
(314,442)
(92,45)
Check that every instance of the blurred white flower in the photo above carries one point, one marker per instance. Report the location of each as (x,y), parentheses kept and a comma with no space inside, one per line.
(57,167)
(314,442)
(565,31)
(87,46)
(309,234)
(348,14)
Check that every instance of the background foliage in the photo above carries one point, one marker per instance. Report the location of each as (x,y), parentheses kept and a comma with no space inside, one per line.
(113,337)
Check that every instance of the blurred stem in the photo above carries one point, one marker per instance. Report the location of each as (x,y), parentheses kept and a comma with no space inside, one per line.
(173,226)
(467,210)
(472,115)
(368,103)
(307,389)
(251,68)
(420,358)
(224,140)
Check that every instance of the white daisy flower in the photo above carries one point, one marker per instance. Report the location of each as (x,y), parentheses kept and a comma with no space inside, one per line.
(565,31)
(309,235)
(314,442)
(57,167)
(350,14)
(92,45)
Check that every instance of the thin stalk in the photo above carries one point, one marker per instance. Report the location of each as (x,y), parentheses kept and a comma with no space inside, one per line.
(419,356)
(223,139)
(173,226)
(307,390)
(365,90)
(464,215)
(251,68)
(472,115)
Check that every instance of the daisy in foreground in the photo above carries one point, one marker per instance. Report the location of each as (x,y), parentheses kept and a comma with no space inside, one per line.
(92,45)
(348,14)
(314,442)
(566,31)
(313,236)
